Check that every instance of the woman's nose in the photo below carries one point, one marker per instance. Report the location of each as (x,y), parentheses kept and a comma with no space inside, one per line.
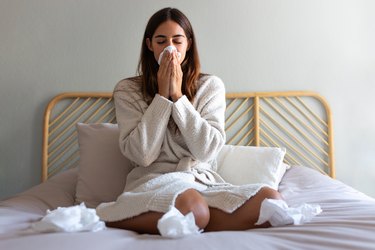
(170,42)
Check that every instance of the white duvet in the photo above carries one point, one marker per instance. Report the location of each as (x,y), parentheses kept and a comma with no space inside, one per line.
(347,221)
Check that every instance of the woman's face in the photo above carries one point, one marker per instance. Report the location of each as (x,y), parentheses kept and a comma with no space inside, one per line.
(169,33)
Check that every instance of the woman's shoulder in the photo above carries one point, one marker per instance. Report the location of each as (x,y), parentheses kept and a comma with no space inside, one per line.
(129,84)
(129,89)
(212,82)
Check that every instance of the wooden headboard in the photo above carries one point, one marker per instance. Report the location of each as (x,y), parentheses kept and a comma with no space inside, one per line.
(299,121)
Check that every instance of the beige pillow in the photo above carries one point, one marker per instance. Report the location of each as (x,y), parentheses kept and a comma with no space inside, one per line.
(102,167)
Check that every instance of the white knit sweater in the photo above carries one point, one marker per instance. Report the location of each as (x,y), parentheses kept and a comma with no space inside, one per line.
(167,160)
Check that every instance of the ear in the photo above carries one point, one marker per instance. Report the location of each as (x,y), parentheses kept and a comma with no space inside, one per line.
(149,45)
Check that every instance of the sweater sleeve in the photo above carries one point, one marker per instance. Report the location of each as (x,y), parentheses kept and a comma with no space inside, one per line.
(203,128)
(142,128)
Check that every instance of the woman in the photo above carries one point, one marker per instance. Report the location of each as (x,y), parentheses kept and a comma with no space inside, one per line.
(171,120)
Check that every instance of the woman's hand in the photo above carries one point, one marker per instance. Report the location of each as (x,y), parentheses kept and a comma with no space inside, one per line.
(175,85)
(164,75)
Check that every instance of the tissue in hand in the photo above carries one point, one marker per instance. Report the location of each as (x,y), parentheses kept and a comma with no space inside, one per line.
(69,219)
(174,224)
(277,213)
(169,49)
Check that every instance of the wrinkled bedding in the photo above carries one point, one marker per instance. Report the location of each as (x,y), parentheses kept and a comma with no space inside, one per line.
(347,221)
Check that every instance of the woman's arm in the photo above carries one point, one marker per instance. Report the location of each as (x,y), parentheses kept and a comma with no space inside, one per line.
(203,128)
(142,128)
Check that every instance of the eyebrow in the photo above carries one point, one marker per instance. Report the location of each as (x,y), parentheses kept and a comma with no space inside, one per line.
(175,36)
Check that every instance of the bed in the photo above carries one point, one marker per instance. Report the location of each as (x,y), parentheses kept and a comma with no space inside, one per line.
(300,122)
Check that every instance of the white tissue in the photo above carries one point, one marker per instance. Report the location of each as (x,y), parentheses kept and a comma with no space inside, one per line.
(170,49)
(69,219)
(174,224)
(277,213)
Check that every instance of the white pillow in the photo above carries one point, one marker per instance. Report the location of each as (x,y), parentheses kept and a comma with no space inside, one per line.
(241,165)
(102,167)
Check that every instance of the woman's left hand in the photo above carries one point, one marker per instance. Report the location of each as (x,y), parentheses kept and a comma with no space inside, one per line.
(175,91)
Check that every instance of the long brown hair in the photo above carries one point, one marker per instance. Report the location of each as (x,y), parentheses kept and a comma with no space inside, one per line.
(148,66)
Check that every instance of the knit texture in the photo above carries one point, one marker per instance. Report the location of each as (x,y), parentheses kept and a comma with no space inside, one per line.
(168,161)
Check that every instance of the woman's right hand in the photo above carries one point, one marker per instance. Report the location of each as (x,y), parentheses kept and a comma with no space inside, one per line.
(164,75)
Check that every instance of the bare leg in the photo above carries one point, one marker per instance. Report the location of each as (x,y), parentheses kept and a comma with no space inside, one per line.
(244,217)
(188,201)
(143,223)
(192,201)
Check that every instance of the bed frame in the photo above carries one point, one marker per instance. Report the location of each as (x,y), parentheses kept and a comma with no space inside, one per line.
(299,121)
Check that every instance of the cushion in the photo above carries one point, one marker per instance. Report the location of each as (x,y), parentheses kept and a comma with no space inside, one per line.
(245,164)
(102,167)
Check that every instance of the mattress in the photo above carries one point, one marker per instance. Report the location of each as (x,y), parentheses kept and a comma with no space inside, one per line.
(347,220)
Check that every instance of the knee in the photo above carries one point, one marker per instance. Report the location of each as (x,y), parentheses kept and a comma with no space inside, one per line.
(269,193)
(192,201)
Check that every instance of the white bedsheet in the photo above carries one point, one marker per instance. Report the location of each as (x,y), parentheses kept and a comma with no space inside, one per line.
(347,221)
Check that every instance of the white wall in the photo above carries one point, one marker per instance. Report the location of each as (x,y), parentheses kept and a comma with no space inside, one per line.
(51,46)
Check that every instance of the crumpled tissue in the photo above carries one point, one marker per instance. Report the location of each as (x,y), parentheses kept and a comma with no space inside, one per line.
(69,219)
(170,49)
(174,224)
(277,213)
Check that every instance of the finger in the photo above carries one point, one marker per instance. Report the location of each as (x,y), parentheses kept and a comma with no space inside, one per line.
(164,65)
(166,56)
(172,68)
(163,60)
(174,56)
(177,65)
(177,58)
(173,59)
